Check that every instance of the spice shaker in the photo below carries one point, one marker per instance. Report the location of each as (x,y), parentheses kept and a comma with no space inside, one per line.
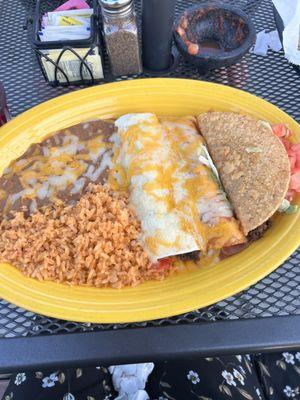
(121,36)
(157,33)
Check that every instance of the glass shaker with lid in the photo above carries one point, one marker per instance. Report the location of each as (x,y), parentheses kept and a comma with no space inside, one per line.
(121,36)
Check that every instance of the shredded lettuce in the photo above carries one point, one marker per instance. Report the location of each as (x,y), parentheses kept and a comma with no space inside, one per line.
(266,124)
(293,208)
(206,160)
(287,208)
(253,150)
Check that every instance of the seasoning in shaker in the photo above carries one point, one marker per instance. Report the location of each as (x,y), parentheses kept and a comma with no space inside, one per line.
(121,37)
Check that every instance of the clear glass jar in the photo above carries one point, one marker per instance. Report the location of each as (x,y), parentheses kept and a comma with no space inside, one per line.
(121,37)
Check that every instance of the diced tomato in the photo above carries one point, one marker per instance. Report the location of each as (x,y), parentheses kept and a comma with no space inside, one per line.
(164,263)
(295,152)
(293,161)
(286,144)
(290,195)
(294,157)
(281,130)
(296,147)
(295,181)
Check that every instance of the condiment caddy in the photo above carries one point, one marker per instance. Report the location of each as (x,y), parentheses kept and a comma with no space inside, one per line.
(71,40)
(73,59)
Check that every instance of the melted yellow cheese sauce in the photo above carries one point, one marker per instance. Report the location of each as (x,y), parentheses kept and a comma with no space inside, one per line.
(201,194)
(58,164)
(181,206)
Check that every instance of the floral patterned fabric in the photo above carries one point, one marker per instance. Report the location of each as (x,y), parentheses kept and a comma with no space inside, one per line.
(280,374)
(212,378)
(259,377)
(71,384)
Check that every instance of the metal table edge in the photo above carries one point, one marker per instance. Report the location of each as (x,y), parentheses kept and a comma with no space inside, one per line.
(150,343)
(155,343)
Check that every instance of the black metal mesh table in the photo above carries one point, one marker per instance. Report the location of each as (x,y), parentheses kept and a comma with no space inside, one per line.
(277,296)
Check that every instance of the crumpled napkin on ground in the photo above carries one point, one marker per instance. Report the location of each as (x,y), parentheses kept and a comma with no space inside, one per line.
(289,11)
(130,380)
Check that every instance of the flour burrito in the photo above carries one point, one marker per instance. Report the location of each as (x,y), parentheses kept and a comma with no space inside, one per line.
(173,186)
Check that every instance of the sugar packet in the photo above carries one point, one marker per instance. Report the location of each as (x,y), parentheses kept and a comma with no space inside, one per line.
(71,64)
(66,25)
(61,33)
(73,5)
(65,18)
(69,21)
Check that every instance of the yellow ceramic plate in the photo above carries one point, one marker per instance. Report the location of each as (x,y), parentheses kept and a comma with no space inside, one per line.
(182,292)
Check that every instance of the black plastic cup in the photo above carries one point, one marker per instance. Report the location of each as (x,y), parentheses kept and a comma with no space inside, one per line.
(157,33)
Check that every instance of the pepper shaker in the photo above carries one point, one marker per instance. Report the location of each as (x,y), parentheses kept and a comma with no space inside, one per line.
(121,37)
(157,33)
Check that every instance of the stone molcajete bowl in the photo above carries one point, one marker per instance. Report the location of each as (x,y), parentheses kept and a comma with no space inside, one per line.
(212,35)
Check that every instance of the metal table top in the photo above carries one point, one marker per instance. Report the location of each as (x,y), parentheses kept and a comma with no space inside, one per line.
(238,324)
